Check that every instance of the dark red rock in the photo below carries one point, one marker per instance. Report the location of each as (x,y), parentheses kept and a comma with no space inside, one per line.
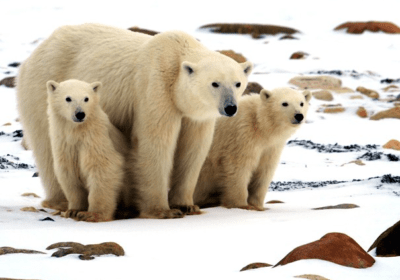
(333,247)
(388,243)
(373,26)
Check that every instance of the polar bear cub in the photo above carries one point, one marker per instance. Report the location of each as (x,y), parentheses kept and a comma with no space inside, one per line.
(246,149)
(88,150)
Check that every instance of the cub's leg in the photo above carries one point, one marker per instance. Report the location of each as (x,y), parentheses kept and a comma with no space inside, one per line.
(193,145)
(262,177)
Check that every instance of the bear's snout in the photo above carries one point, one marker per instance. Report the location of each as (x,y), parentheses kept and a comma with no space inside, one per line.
(79,116)
(230,110)
(298,118)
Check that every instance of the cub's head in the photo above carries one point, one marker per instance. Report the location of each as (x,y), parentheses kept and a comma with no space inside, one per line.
(287,105)
(72,99)
(211,87)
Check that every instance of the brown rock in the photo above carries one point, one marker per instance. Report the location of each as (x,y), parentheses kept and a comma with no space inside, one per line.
(391,88)
(339,206)
(343,90)
(299,55)
(316,82)
(368,92)
(334,110)
(29,209)
(288,37)
(373,26)
(333,247)
(144,31)
(325,95)
(256,30)
(7,124)
(311,277)
(356,97)
(8,82)
(252,87)
(391,113)
(388,243)
(274,202)
(254,266)
(87,251)
(238,57)
(392,144)
(10,250)
(30,194)
(361,112)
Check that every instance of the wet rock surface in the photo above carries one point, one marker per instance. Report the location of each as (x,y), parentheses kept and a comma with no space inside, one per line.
(86,252)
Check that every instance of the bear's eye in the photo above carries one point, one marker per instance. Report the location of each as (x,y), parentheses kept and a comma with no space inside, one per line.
(238,85)
(68,99)
(284,104)
(301,104)
(215,84)
(86,99)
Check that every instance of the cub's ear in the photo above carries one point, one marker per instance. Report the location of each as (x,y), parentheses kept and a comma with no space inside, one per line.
(247,67)
(307,94)
(188,67)
(96,86)
(265,95)
(51,86)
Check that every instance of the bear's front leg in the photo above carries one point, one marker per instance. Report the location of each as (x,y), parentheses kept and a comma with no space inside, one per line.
(156,139)
(193,145)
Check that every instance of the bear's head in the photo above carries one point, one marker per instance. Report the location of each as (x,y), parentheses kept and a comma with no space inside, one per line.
(211,87)
(287,104)
(72,99)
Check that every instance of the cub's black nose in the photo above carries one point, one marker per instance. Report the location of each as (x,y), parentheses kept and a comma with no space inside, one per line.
(80,116)
(230,110)
(299,117)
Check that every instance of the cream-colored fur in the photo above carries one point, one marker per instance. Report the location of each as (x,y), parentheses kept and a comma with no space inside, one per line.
(246,149)
(89,152)
(163,92)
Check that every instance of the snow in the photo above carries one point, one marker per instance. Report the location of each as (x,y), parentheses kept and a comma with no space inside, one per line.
(218,243)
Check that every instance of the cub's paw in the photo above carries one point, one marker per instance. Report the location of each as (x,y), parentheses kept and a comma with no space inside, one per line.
(70,213)
(187,209)
(163,214)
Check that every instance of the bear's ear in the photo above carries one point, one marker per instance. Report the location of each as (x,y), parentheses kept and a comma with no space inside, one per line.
(307,94)
(247,67)
(96,86)
(265,95)
(188,67)
(51,86)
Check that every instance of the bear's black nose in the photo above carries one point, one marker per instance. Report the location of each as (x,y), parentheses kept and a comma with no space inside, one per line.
(230,110)
(299,117)
(80,116)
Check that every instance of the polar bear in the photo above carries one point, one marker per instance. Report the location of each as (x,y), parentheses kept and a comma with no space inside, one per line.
(246,149)
(88,151)
(162,92)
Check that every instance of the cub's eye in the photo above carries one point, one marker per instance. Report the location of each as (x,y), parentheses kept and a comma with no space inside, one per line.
(284,104)
(87,99)
(215,84)
(301,104)
(68,99)
(238,85)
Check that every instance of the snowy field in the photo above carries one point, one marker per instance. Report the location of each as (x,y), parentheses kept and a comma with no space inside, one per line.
(217,244)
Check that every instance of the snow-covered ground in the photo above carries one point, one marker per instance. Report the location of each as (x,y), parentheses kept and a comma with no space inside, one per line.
(220,242)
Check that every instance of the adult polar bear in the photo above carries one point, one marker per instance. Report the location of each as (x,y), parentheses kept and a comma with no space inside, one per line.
(163,92)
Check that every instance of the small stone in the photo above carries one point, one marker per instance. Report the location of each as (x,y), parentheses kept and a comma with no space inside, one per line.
(334,247)
(343,90)
(356,97)
(144,31)
(325,95)
(87,251)
(252,87)
(391,88)
(8,82)
(368,92)
(30,194)
(238,57)
(299,55)
(274,202)
(311,277)
(288,37)
(339,206)
(316,82)
(47,219)
(10,250)
(36,174)
(14,64)
(7,124)
(391,113)
(388,243)
(255,266)
(334,110)
(392,144)
(29,209)
(361,112)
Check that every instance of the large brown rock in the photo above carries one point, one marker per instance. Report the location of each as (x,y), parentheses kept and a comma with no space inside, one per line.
(255,30)
(316,82)
(334,247)
(325,95)
(238,57)
(373,26)
(388,243)
(391,113)
(368,92)
(392,144)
